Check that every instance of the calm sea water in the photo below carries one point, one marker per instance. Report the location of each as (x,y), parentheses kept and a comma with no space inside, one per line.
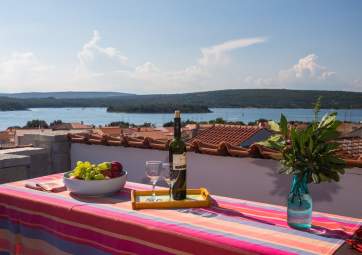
(99,116)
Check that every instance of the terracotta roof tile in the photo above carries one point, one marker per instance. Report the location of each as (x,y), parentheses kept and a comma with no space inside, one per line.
(231,134)
(155,134)
(222,148)
(76,125)
(351,147)
(113,131)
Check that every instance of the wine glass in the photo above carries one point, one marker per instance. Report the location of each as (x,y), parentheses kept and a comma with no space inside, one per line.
(166,176)
(153,172)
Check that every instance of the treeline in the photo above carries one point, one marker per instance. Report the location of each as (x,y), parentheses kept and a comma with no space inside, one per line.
(124,124)
(215,121)
(36,123)
(159,108)
(8,104)
(259,98)
(40,124)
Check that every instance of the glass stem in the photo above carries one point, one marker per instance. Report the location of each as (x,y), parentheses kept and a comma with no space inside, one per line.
(170,191)
(153,191)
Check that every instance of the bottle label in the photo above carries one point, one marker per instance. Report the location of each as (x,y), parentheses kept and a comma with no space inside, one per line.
(179,162)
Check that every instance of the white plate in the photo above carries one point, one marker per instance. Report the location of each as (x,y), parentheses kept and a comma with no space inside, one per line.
(94,187)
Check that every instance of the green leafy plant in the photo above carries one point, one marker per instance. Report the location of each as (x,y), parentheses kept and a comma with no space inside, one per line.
(311,151)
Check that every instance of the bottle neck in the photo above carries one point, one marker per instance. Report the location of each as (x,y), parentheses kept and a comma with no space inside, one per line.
(177,128)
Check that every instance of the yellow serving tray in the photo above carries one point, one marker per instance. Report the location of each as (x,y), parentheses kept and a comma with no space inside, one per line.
(194,198)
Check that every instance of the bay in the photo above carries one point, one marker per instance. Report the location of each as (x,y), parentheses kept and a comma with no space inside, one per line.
(99,116)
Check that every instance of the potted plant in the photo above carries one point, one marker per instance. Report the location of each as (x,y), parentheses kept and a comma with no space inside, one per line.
(310,156)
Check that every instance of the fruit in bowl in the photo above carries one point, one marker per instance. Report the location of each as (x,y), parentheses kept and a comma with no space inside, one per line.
(88,171)
(95,179)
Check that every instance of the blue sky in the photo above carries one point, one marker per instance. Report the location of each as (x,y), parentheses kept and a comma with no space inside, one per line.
(180,46)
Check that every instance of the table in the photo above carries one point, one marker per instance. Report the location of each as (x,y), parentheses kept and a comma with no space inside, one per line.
(37,222)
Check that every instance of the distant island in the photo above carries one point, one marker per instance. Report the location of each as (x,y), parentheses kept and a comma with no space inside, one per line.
(159,108)
(9,105)
(195,102)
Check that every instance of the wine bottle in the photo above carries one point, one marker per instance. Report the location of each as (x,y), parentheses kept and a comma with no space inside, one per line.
(177,158)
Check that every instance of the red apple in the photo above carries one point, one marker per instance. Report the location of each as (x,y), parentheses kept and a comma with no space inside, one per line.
(116,166)
(116,174)
(107,173)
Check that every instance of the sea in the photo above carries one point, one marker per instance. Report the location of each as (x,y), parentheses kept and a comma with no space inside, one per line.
(99,116)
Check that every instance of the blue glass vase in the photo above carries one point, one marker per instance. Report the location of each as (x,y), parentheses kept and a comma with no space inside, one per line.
(300,204)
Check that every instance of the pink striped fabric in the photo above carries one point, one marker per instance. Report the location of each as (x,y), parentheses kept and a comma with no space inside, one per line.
(62,223)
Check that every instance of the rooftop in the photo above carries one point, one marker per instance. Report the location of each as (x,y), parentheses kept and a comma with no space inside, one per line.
(352,147)
(162,133)
(231,134)
(222,148)
(70,126)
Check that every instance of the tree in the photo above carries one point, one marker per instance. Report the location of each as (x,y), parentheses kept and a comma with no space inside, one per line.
(121,124)
(36,124)
(55,123)
(217,121)
(147,124)
(168,124)
(184,123)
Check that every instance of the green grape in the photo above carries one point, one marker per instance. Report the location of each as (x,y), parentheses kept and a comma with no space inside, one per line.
(92,173)
(88,171)
(99,177)
(104,166)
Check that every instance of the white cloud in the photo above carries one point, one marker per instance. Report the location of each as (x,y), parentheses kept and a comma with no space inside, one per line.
(105,68)
(22,70)
(307,69)
(217,54)
(258,82)
(307,73)
(107,65)
(212,70)
(146,71)
(95,60)
(357,85)
(209,67)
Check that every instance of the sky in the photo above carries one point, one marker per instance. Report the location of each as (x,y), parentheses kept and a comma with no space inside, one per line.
(180,46)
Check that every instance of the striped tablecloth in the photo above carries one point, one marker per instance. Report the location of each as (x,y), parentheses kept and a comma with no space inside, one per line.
(36,222)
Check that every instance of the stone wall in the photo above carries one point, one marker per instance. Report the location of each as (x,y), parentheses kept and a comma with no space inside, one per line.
(13,167)
(23,163)
(38,160)
(50,154)
(57,147)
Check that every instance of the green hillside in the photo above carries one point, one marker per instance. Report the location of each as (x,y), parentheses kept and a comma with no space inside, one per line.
(259,98)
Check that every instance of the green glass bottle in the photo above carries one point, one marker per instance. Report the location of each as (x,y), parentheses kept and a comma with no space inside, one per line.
(177,158)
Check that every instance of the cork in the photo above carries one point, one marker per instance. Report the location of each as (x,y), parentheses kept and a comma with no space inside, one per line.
(177,114)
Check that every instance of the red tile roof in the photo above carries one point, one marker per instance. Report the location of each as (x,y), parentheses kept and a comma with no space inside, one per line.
(159,135)
(231,134)
(222,149)
(351,147)
(76,125)
(113,131)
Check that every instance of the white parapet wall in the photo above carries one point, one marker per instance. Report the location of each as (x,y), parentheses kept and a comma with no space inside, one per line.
(245,178)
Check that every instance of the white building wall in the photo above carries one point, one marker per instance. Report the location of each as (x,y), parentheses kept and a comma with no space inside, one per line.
(245,178)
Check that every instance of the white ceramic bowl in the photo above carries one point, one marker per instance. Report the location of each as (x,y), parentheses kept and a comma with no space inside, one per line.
(94,187)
